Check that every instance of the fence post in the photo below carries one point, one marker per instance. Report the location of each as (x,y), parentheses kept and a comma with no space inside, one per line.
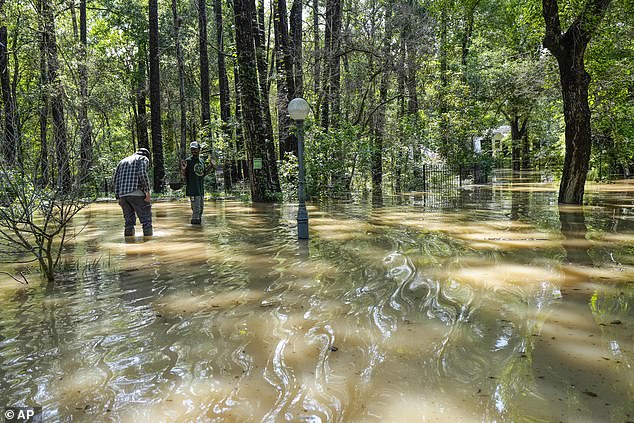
(460,175)
(424,178)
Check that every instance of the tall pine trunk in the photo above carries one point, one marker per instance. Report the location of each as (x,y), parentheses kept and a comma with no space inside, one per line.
(204,63)
(155,100)
(317,53)
(263,187)
(285,79)
(141,99)
(296,49)
(9,147)
(444,86)
(569,50)
(86,153)
(60,133)
(181,82)
(379,118)
(44,176)
(223,85)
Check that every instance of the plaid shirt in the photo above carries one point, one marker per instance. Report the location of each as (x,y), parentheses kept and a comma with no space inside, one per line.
(131,175)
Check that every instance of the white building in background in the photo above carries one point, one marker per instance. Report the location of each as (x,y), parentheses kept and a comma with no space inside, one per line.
(497,135)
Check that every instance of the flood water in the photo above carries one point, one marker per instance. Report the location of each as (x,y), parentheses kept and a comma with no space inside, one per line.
(490,305)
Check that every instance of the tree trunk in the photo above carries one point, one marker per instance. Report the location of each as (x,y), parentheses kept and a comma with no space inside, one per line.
(285,79)
(86,154)
(518,133)
(379,118)
(317,53)
(9,148)
(296,47)
(262,183)
(261,55)
(204,63)
(223,85)
(141,100)
(526,151)
(262,67)
(43,164)
(181,82)
(569,50)
(444,83)
(335,62)
(155,99)
(60,133)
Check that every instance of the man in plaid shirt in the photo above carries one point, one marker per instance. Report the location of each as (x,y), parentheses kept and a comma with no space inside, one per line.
(132,189)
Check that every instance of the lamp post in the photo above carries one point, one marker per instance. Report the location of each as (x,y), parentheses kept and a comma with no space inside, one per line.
(298,109)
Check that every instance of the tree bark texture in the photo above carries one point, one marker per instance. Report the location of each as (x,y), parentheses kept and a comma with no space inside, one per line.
(181,82)
(262,180)
(141,99)
(569,50)
(44,176)
(379,118)
(155,99)
(317,53)
(223,85)
(86,154)
(296,47)
(285,79)
(262,66)
(10,144)
(204,63)
(56,89)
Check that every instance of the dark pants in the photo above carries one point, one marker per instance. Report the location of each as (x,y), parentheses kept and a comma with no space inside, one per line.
(132,207)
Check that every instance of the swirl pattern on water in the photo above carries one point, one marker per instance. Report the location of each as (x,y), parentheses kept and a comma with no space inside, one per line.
(397,313)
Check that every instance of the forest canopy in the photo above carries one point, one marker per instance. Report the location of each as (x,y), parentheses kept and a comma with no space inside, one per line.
(393,86)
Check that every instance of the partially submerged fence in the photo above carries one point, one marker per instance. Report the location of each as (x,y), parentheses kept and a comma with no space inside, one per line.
(443,177)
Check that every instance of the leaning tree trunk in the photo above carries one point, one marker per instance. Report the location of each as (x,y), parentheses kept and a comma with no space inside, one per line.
(261,180)
(60,134)
(85,130)
(155,99)
(569,50)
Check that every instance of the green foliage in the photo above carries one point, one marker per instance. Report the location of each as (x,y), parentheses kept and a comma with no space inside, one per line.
(331,159)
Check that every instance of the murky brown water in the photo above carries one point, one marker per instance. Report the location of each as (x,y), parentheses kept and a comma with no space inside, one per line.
(489,306)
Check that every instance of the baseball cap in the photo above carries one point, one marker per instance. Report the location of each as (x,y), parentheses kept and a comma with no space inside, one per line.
(144,152)
(194,144)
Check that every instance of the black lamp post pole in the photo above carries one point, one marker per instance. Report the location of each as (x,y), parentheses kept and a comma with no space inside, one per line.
(302,214)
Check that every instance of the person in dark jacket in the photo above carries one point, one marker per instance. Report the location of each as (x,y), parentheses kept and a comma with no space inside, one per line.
(132,189)
(194,170)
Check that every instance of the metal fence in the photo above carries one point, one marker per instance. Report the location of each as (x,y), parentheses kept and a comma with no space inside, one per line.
(443,177)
